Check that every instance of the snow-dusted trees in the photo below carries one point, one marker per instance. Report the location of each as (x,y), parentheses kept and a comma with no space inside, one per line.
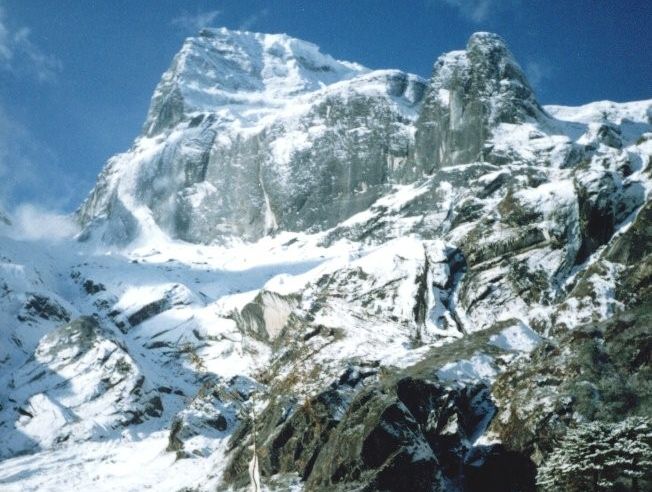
(601,456)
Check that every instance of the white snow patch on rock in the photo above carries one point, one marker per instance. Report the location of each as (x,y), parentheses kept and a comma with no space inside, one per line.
(520,338)
(479,367)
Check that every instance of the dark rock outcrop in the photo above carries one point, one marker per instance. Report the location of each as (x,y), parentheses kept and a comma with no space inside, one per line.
(394,431)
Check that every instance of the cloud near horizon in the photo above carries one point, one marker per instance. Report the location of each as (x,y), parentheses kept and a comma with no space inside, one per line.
(30,222)
(30,170)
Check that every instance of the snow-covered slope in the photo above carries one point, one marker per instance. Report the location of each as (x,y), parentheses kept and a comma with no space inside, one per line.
(247,75)
(354,278)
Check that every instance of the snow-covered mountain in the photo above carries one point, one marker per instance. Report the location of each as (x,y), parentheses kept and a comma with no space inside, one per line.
(320,277)
(250,133)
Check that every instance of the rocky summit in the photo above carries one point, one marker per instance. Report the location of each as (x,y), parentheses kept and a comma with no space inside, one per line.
(310,275)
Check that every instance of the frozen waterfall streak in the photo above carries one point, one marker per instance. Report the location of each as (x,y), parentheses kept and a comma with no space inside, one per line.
(458,315)
(254,471)
(270,219)
(482,136)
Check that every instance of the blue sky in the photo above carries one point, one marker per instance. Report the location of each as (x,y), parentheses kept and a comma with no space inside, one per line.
(76,76)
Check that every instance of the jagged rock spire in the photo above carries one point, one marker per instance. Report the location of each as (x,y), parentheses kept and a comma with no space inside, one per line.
(471,92)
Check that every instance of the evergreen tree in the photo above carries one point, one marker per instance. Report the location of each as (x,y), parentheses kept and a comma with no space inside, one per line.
(601,456)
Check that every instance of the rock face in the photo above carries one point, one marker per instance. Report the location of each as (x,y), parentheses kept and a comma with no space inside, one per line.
(250,133)
(408,285)
(370,429)
(470,93)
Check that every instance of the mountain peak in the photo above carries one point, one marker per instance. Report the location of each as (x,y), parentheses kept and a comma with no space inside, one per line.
(483,38)
(256,133)
(495,65)
(225,67)
(471,92)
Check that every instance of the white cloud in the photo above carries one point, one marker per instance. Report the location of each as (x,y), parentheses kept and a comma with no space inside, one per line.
(195,22)
(30,170)
(474,10)
(31,222)
(16,144)
(19,55)
(479,11)
(5,39)
(538,72)
(253,19)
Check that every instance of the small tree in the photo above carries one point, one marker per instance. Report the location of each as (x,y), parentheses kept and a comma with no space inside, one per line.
(601,456)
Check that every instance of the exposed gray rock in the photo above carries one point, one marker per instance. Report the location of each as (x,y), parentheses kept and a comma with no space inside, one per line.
(211,415)
(469,94)
(266,316)
(328,153)
(598,371)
